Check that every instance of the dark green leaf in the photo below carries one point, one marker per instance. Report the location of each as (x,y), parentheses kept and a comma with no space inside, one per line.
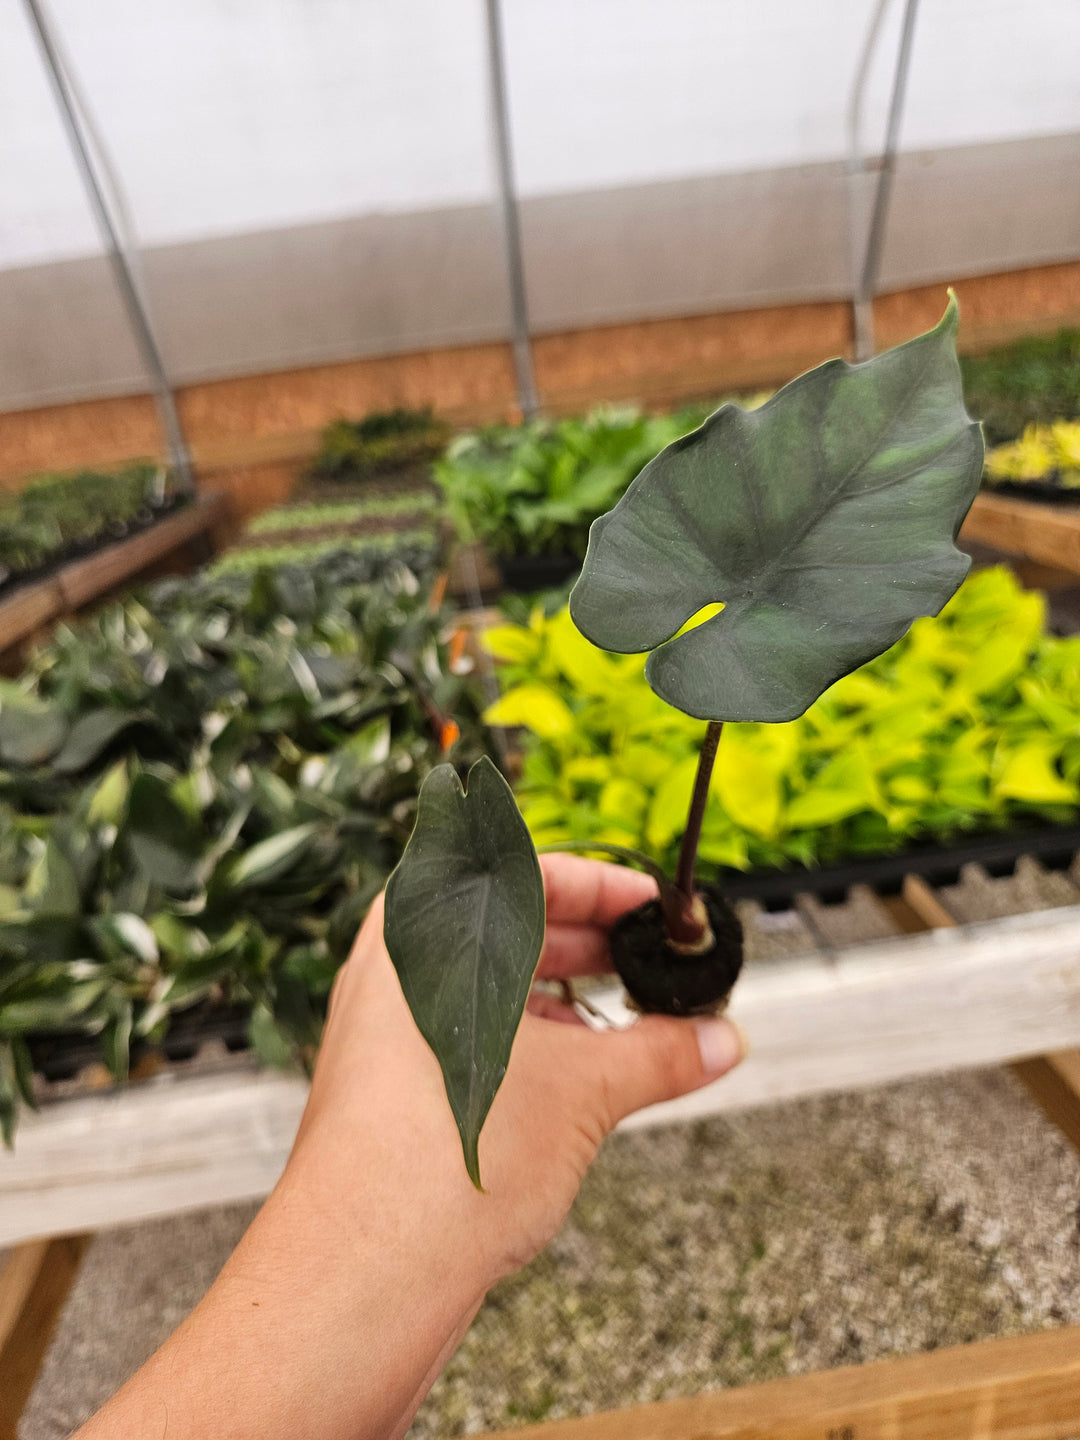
(52,888)
(89,736)
(116,1041)
(163,839)
(30,734)
(464,928)
(272,858)
(824,521)
(269,1041)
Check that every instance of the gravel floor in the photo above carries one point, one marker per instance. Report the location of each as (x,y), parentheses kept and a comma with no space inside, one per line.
(793,1238)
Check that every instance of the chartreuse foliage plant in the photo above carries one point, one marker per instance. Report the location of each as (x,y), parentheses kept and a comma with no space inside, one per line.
(971,721)
(201,791)
(757,561)
(1044,452)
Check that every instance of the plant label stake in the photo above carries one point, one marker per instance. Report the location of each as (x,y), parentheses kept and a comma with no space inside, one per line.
(823,524)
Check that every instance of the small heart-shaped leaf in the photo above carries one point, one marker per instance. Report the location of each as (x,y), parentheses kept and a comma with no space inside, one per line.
(464,928)
(824,522)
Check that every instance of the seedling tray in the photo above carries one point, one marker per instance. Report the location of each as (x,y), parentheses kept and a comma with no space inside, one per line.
(1048,491)
(1053,846)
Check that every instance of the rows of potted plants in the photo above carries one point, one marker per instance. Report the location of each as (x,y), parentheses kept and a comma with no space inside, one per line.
(971,722)
(58,518)
(528,493)
(1043,464)
(1035,380)
(201,791)
(385,442)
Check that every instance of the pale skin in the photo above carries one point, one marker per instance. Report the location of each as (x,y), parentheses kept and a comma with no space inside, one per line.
(365,1267)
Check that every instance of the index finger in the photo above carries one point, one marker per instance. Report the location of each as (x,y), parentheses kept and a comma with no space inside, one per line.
(580,891)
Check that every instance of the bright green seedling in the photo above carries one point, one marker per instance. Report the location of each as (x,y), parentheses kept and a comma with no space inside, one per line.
(823,523)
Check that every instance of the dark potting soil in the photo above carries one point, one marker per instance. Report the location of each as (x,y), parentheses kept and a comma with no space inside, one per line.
(113,533)
(660,980)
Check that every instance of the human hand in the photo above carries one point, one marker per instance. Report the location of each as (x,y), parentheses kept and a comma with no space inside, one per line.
(378,1104)
(363,1270)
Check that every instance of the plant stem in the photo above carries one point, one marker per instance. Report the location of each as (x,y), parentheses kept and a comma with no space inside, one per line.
(684,874)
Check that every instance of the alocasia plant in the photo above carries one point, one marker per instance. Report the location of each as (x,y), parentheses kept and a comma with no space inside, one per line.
(821,525)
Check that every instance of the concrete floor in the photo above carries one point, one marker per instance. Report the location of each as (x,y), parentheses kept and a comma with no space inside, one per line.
(772,1242)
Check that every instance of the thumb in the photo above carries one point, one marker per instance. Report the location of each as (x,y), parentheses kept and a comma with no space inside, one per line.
(661,1058)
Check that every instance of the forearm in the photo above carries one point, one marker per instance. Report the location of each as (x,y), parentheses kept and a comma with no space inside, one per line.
(318,1326)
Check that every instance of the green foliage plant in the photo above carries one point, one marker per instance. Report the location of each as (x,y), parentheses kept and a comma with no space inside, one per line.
(757,561)
(535,489)
(416,547)
(201,791)
(1034,380)
(380,444)
(970,722)
(56,512)
(347,512)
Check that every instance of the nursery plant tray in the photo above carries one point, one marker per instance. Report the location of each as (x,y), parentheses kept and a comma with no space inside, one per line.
(78,582)
(1053,846)
(1046,491)
(526,573)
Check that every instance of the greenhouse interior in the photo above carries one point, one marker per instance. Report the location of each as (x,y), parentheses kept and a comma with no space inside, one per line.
(540,597)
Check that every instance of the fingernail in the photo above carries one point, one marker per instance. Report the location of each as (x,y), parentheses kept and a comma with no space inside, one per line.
(722,1044)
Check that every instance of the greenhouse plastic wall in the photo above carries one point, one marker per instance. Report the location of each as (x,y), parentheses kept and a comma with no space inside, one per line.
(312,180)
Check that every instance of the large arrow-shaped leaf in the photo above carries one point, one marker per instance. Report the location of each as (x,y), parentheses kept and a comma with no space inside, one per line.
(464,928)
(824,521)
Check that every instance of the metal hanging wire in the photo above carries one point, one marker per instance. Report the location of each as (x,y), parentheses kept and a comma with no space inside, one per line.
(510,224)
(866,255)
(110,213)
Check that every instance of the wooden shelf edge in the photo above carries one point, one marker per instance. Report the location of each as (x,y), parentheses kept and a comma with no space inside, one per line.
(82,581)
(1019,1388)
(1049,534)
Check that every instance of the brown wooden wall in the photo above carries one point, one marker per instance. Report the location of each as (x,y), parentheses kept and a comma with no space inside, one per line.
(251,436)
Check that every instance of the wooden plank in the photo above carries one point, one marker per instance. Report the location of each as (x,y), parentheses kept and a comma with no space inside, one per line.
(34,1284)
(1049,534)
(84,580)
(1054,1082)
(27,610)
(1022,1388)
(913,1005)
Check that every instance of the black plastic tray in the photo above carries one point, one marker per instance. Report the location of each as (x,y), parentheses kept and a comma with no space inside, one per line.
(1048,491)
(1053,846)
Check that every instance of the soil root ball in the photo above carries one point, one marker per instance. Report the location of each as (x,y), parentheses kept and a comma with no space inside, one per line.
(658,979)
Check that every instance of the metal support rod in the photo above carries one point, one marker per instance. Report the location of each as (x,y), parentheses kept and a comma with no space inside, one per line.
(862,310)
(508,214)
(875,241)
(119,260)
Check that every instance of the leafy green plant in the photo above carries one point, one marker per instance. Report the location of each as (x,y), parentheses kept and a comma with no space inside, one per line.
(201,792)
(1033,381)
(55,513)
(379,444)
(1044,452)
(971,721)
(415,547)
(536,488)
(348,512)
(758,560)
